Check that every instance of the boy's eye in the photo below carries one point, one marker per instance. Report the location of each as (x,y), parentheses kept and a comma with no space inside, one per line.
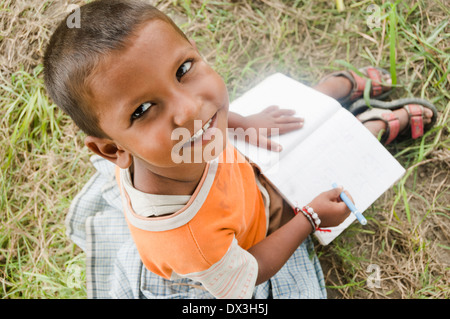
(140,110)
(184,68)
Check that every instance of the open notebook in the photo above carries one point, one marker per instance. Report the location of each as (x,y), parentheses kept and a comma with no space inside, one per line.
(333,146)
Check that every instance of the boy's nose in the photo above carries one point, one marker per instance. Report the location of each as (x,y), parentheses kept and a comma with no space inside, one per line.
(186,108)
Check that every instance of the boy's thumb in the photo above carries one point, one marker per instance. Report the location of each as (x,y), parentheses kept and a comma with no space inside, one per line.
(338,189)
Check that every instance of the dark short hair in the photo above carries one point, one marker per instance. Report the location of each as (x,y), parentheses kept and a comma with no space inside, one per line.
(73,53)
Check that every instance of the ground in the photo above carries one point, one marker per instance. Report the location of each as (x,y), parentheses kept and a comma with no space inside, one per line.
(404,252)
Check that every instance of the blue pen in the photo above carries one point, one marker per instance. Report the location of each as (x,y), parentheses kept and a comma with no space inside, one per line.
(352,207)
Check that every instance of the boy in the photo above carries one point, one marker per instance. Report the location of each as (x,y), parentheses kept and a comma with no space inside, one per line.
(128,78)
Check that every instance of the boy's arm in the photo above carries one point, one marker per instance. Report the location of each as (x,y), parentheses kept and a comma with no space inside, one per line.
(283,120)
(274,251)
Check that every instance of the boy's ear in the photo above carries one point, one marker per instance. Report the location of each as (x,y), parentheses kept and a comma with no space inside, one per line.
(109,150)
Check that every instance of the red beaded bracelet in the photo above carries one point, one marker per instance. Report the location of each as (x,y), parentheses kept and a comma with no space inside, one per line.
(299,210)
(312,217)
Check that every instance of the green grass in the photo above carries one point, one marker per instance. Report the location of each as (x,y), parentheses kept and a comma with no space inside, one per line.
(36,258)
(44,162)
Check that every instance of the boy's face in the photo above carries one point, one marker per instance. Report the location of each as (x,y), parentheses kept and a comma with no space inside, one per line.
(158,84)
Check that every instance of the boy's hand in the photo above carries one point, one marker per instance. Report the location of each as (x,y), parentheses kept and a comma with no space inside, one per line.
(271,118)
(331,209)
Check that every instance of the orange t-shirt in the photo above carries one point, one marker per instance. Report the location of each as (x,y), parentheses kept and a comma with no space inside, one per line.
(226,207)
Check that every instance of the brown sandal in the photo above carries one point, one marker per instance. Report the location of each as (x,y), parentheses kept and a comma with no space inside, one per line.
(372,74)
(383,111)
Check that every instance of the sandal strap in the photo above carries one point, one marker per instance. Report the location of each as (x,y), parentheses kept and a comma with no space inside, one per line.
(375,76)
(387,116)
(360,82)
(415,112)
(392,125)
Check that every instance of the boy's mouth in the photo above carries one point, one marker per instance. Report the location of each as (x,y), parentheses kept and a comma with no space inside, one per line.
(201,132)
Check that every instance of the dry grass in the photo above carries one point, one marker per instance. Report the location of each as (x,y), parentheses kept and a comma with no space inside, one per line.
(44,163)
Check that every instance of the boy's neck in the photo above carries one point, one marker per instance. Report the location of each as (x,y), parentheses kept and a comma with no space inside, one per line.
(158,183)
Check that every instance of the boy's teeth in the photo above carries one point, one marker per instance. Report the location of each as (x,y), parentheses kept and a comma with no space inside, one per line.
(201,131)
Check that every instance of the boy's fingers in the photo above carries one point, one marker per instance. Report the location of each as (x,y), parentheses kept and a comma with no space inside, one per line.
(335,192)
(288,127)
(283,112)
(267,143)
(289,119)
(271,108)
